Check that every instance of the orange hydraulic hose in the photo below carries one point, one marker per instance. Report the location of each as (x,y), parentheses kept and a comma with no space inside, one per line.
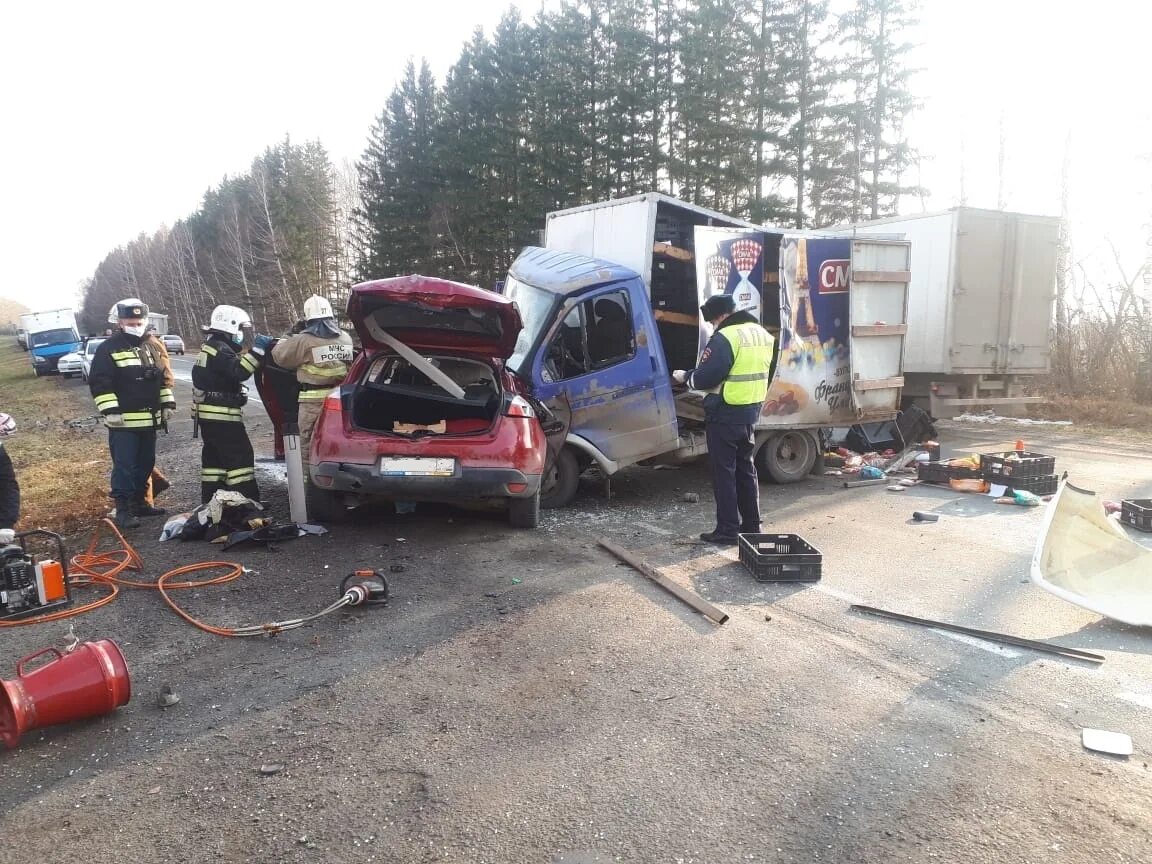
(104,568)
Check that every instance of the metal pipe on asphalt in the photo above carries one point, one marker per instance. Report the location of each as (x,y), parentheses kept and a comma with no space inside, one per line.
(294,462)
(1003,638)
(717,616)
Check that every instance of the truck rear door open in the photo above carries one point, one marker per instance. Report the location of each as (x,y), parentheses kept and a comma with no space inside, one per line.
(878,318)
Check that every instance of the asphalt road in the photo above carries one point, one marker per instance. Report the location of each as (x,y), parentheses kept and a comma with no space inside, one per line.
(526,698)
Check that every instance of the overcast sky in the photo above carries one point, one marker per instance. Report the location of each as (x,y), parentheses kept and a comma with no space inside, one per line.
(118,115)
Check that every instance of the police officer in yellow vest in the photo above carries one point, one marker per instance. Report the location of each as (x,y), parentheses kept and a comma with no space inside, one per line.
(321,354)
(734,372)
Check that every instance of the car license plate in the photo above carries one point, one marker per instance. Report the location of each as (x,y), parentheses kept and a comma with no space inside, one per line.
(416,466)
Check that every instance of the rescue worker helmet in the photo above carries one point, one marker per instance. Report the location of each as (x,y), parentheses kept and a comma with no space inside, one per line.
(229,319)
(129,307)
(317,307)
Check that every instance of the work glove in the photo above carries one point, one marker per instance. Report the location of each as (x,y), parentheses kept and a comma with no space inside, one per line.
(262,343)
(168,414)
(114,421)
(7,535)
(679,376)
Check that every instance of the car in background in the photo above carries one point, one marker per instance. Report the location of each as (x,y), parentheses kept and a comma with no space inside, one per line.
(87,354)
(173,343)
(428,410)
(71,365)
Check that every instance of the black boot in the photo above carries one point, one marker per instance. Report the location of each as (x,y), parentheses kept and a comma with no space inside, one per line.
(125,518)
(142,508)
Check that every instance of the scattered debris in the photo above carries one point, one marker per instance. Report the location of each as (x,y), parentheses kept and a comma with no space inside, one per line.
(516,581)
(690,498)
(271,768)
(1113,743)
(1003,638)
(396,568)
(855,484)
(168,697)
(897,488)
(922,516)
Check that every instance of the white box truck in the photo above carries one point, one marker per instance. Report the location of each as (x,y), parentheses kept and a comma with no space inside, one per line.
(979,302)
(22,329)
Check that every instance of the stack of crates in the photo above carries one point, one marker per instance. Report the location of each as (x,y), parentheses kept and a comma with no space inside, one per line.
(1021,471)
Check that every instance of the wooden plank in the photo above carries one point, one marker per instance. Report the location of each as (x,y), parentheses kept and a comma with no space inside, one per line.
(881,275)
(879,329)
(671,251)
(878,383)
(676,317)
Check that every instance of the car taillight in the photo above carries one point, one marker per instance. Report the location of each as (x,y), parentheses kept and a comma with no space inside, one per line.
(332,401)
(517,406)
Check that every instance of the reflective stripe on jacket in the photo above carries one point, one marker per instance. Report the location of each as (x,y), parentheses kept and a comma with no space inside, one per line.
(747,381)
(320,363)
(217,378)
(125,379)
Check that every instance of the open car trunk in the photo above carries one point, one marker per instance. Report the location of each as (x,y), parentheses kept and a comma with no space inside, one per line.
(394,397)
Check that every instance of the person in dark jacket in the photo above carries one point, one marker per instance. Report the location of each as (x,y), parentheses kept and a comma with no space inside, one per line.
(9,488)
(734,372)
(226,460)
(128,388)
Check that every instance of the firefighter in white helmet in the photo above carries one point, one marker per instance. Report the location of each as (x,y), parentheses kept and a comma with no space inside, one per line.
(226,460)
(320,354)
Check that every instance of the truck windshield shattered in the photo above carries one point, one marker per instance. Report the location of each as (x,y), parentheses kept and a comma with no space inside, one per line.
(535,310)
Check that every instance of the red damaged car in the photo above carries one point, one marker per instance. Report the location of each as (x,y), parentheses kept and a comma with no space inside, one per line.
(428,411)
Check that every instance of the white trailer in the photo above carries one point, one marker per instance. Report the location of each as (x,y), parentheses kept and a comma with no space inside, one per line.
(979,302)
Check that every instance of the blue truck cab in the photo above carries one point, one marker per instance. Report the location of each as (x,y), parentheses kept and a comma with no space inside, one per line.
(592,353)
(50,334)
(48,346)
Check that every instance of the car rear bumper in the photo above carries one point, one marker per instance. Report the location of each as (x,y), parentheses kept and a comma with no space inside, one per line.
(467,483)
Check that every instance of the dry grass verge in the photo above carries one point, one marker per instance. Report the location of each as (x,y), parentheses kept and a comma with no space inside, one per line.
(62,464)
(1094,411)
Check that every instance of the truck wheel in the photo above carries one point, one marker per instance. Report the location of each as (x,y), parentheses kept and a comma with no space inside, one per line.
(323,505)
(559,483)
(787,457)
(524,512)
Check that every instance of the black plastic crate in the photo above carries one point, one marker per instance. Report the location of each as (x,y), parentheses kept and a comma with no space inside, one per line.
(780,558)
(1137,512)
(942,472)
(1035,485)
(1004,467)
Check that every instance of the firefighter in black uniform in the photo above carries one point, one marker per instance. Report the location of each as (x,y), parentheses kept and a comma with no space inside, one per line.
(227,460)
(128,388)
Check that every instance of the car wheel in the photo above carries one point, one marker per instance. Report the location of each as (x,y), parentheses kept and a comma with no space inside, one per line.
(524,512)
(324,505)
(559,483)
(787,457)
